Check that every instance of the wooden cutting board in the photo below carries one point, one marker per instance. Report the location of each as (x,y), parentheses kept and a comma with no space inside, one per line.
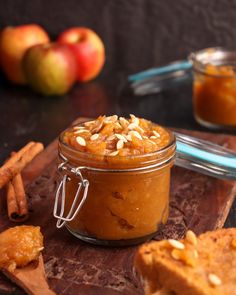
(198,202)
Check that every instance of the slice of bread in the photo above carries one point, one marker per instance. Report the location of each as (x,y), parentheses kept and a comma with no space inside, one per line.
(194,266)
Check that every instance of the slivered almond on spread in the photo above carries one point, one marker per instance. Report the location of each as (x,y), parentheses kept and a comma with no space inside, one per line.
(117,136)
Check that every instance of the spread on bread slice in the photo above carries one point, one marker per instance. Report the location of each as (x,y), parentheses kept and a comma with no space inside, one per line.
(204,265)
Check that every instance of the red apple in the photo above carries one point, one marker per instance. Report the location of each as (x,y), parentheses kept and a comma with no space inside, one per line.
(88,49)
(50,68)
(14,41)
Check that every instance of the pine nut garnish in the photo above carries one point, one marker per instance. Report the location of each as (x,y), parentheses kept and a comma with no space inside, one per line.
(117,125)
(40,249)
(138,128)
(132,135)
(132,126)
(120,136)
(81,141)
(78,127)
(111,119)
(129,137)
(156,133)
(176,244)
(132,116)
(120,144)
(136,134)
(81,131)
(94,136)
(123,122)
(175,254)
(114,153)
(89,123)
(214,279)
(191,237)
(111,137)
(114,118)
(135,121)
(151,141)
(97,127)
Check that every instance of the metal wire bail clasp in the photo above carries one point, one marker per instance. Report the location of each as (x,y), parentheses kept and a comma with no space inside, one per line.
(83,184)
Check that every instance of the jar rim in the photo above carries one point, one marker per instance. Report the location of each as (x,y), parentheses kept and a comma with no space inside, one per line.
(216,56)
(172,141)
(94,157)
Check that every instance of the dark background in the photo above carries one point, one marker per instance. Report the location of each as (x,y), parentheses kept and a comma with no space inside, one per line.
(138,34)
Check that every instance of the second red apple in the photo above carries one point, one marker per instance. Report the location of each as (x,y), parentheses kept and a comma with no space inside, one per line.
(50,68)
(88,49)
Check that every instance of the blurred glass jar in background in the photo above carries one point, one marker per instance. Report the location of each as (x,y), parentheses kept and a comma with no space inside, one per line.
(214,87)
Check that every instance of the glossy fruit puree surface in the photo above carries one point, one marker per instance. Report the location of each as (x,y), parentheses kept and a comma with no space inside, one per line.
(19,246)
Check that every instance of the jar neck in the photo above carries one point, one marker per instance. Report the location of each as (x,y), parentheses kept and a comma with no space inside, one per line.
(215,56)
(156,159)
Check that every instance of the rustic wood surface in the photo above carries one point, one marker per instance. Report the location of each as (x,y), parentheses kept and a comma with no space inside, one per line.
(198,202)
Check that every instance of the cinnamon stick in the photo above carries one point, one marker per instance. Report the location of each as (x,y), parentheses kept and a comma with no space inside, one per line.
(17,205)
(12,206)
(18,161)
(21,199)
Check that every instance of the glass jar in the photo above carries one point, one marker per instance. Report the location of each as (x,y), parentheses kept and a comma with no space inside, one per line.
(214,87)
(120,202)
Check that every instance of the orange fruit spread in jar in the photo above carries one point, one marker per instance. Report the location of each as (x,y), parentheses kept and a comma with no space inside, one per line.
(19,246)
(215,95)
(124,204)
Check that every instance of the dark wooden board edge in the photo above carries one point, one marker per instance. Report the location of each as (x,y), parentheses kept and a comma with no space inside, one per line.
(35,169)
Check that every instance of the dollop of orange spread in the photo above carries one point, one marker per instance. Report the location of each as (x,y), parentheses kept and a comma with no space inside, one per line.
(19,246)
(117,136)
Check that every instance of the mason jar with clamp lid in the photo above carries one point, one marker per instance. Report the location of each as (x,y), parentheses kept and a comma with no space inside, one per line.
(113,200)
